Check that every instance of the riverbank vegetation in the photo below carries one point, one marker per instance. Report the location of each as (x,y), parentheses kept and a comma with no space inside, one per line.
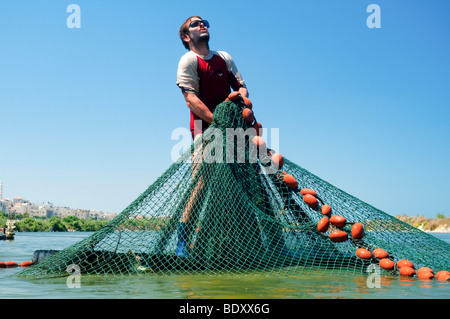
(25,223)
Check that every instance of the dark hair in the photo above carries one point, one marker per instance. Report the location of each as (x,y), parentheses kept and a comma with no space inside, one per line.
(184,30)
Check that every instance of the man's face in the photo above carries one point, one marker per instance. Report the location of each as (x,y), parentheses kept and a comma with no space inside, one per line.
(199,33)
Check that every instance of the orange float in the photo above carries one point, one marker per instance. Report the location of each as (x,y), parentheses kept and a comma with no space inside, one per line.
(363,253)
(338,236)
(278,160)
(259,141)
(25,264)
(323,224)
(425,269)
(357,231)
(407,271)
(308,191)
(404,263)
(338,221)
(380,253)
(310,200)
(247,114)
(425,275)
(248,103)
(2,264)
(10,264)
(234,96)
(290,181)
(386,264)
(442,273)
(326,210)
(444,278)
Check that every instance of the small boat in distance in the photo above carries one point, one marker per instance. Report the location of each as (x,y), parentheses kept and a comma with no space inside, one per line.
(8,233)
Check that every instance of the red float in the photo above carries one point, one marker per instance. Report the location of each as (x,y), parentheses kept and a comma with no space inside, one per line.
(310,200)
(338,221)
(357,231)
(338,236)
(323,224)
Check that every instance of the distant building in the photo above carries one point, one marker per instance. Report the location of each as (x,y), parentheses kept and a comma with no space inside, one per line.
(18,200)
(20,206)
(5,204)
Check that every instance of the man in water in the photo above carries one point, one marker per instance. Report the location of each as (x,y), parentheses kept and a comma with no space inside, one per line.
(205,78)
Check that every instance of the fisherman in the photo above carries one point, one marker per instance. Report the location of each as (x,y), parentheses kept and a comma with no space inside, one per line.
(205,78)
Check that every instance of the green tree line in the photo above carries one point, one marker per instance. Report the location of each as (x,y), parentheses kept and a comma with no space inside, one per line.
(26,223)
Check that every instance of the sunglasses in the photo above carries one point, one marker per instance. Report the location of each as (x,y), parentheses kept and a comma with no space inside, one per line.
(196,23)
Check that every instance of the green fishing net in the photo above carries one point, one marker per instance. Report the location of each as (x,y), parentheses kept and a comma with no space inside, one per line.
(226,207)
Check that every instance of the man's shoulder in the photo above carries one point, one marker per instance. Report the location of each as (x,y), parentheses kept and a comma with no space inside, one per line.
(188,57)
(223,54)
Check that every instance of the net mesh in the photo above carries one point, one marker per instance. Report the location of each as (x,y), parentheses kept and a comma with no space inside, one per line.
(226,207)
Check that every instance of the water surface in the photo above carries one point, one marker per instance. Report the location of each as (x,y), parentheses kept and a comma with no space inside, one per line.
(263,285)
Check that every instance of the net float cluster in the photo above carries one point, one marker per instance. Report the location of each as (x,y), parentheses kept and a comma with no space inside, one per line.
(309,196)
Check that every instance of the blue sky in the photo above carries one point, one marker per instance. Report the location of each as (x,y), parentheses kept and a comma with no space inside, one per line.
(86,115)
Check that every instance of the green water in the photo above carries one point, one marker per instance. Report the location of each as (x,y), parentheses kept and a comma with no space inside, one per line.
(260,286)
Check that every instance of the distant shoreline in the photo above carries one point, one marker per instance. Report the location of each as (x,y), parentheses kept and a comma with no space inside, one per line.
(440,224)
(446,231)
(426,224)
